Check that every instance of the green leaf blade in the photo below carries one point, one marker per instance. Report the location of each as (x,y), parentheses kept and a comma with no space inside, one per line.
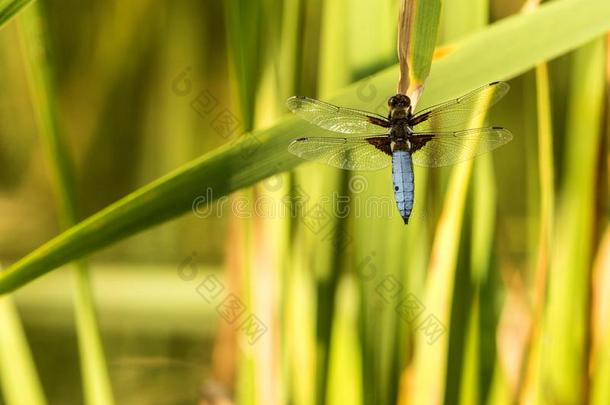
(425,28)
(8,8)
(18,376)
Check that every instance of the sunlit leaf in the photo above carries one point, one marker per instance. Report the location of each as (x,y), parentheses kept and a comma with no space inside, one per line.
(18,377)
(600,319)
(566,324)
(8,8)
(418,26)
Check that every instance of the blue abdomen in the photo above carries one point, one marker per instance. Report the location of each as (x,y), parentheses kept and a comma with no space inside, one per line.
(402,175)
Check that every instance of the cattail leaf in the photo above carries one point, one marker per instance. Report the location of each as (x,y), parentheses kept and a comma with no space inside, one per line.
(417,29)
(546,183)
(18,378)
(8,8)
(566,322)
(600,319)
(96,381)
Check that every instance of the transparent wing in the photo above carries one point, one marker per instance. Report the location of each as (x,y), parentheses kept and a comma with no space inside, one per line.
(455,114)
(447,148)
(364,153)
(337,119)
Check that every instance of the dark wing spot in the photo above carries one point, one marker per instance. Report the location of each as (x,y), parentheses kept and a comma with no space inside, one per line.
(418,119)
(381,143)
(419,141)
(379,121)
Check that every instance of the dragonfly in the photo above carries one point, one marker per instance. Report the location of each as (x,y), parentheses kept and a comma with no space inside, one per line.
(433,137)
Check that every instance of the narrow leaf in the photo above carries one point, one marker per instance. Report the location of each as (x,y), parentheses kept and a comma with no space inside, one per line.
(600,350)
(8,8)
(18,377)
(566,323)
(96,381)
(547,209)
(417,29)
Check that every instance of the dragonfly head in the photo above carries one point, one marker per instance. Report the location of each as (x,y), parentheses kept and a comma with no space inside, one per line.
(400,105)
(399,101)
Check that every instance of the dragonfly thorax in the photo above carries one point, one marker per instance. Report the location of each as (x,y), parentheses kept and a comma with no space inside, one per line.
(400,130)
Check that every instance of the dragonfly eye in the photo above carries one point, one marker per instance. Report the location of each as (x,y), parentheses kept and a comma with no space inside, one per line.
(399,101)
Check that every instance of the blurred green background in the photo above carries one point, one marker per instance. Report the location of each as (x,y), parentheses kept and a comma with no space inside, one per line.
(496,292)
